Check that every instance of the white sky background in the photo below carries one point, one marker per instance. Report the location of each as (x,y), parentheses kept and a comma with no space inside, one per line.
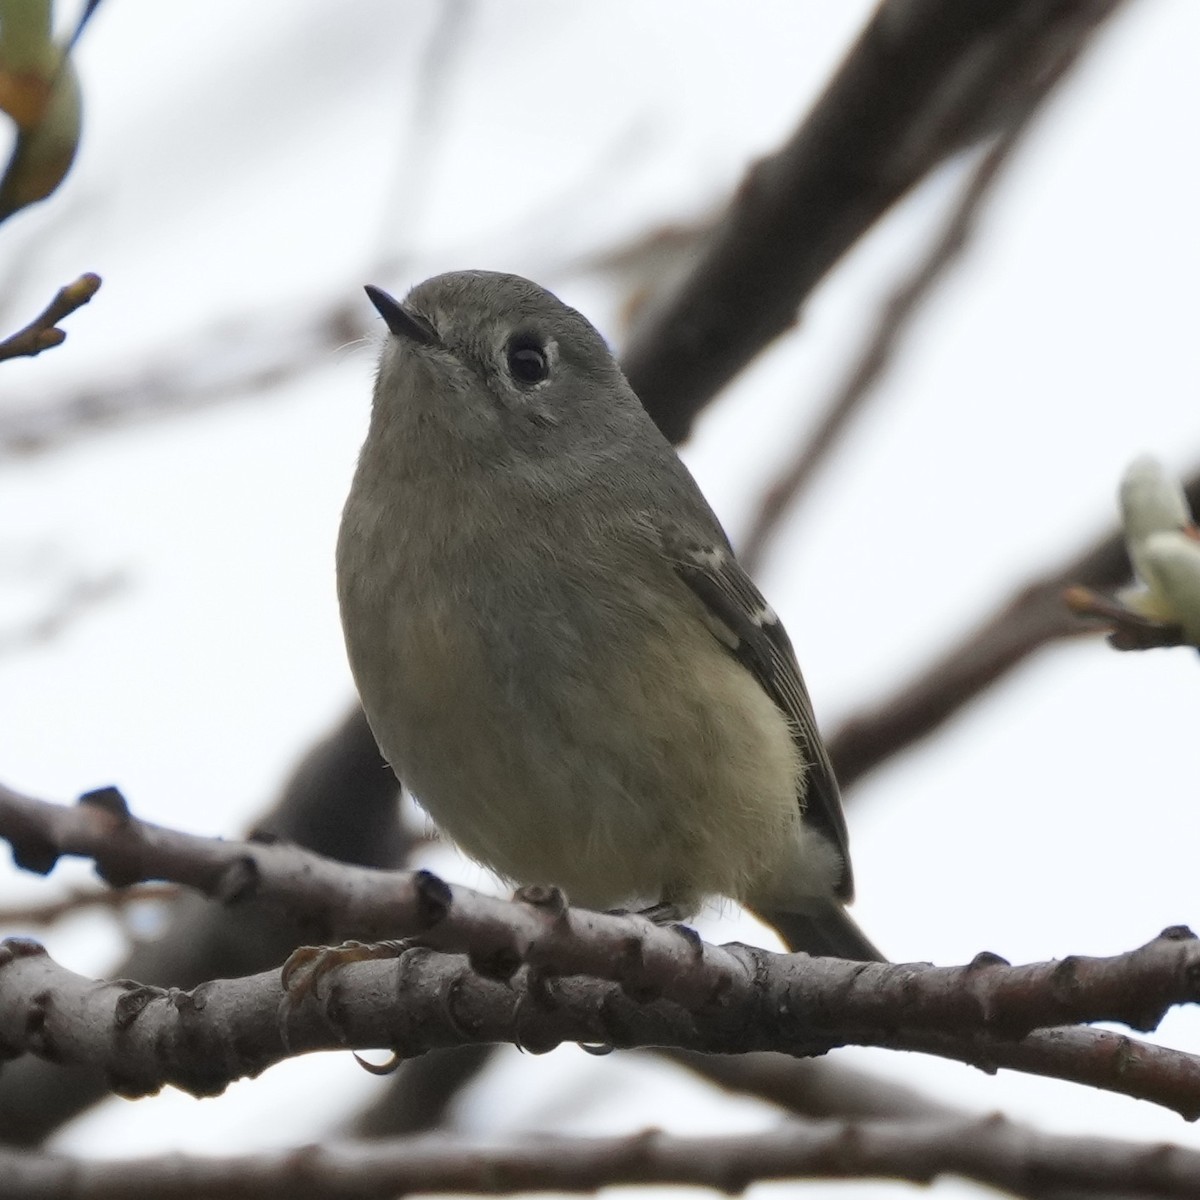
(247,159)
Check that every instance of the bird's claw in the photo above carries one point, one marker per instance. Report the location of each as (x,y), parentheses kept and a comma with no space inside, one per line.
(309,965)
(663,913)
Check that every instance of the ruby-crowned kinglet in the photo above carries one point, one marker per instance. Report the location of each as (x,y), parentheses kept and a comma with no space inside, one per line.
(555,647)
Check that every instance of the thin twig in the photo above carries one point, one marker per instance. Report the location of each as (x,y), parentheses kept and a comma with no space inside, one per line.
(42,333)
(926,78)
(77,597)
(423,134)
(36,916)
(895,320)
(907,300)
(1034,616)
(990,1150)
(242,355)
(817,1088)
(422,1089)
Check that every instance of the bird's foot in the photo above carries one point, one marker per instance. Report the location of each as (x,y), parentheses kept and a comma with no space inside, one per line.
(309,965)
(662,913)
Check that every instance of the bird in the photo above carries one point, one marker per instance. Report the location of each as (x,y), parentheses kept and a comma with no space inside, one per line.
(554,644)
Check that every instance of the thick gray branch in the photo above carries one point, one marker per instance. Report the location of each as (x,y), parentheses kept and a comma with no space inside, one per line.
(648,961)
(342,800)
(142,1038)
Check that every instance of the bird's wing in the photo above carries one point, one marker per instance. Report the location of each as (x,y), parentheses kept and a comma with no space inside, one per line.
(748,626)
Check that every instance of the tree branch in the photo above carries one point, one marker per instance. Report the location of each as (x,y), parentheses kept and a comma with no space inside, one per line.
(420,1093)
(893,323)
(422,1089)
(80,899)
(810,1087)
(341,799)
(989,1150)
(42,333)
(245,354)
(339,900)
(538,974)
(143,1038)
(1034,616)
(925,79)
(76,598)
(539,931)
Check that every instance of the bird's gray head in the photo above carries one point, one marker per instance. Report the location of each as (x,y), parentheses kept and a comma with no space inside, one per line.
(495,360)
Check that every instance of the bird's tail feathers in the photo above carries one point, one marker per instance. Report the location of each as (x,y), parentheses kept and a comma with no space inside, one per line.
(823,927)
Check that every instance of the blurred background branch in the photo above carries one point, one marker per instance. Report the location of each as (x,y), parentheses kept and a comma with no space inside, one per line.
(926,79)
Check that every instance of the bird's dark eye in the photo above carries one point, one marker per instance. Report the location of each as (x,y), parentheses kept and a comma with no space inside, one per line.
(527,361)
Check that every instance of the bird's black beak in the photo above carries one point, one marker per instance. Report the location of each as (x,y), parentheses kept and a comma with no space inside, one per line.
(398,318)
